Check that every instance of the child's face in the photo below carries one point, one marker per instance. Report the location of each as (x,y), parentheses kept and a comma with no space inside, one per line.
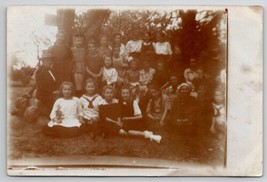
(218,97)
(116,51)
(91,48)
(173,80)
(147,38)
(177,50)
(108,62)
(60,37)
(104,41)
(47,62)
(135,36)
(184,90)
(154,93)
(117,39)
(108,94)
(134,66)
(78,44)
(160,66)
(193,63)
(125,94)
(90,88)
(66,91)
(159,38)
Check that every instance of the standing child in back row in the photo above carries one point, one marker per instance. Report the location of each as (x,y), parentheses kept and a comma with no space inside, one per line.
(78,58)
(94,63)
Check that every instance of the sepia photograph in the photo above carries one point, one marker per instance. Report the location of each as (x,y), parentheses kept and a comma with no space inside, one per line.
(96,88)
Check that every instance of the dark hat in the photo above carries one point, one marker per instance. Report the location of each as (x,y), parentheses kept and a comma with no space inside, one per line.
(47,53)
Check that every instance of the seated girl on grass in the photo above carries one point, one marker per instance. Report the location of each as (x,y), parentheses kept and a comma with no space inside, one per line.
(111,112)
(89,102)
(66,115)
(132,119)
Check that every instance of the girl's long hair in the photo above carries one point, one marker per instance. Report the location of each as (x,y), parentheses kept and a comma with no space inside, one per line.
(60,95)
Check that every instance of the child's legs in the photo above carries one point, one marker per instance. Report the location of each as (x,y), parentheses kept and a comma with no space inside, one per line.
(109,127)
(62,132)
(138,125)
(153,125)
(220,130)
(78,81)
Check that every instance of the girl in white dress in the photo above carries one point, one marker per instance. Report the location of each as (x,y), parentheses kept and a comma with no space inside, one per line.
(66,115)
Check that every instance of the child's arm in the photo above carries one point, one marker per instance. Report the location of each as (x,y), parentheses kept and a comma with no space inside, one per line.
(100,73)
(90,73)
(80,112)
(115,77)
(163,116)
(212,128)
(166,109)
(137,113)
(186,71)
(133,117)
(165,86)
(113,121)
(148,110)
(55,109)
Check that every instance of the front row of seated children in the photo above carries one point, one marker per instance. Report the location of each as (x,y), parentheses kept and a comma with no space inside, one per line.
(104,115)
(72,116)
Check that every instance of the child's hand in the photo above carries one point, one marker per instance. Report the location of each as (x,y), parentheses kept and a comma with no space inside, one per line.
(119,123)
(81,120)
(212,130)
(193,94)
(56,120)
(56,92)
(90,121)
(125,118)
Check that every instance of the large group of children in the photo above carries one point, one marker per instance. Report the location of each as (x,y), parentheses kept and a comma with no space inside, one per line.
(139,88)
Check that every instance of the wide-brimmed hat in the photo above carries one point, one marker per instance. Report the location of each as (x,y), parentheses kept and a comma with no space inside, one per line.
(184,85)
(46,53)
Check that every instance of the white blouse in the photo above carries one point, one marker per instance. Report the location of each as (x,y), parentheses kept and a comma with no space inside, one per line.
(90,113)
(70,108)
(163,48)
(134,46)
(145,77)
(110,75)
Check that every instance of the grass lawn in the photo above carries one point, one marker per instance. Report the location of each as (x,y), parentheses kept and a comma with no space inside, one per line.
(25,140)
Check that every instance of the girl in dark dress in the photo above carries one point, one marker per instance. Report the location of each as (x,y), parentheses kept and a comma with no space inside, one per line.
(132,119)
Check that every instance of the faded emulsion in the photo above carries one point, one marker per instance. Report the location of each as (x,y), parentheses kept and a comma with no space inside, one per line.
(116,87)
